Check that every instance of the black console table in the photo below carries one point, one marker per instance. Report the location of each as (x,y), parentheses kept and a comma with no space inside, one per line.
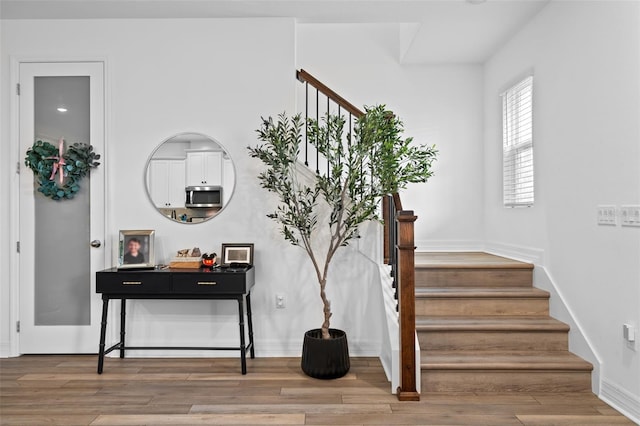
(191,284)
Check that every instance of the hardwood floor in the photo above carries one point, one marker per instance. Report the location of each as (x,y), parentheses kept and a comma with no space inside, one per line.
(65,390)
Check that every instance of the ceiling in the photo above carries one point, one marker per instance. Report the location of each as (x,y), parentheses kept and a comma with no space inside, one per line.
(430,31)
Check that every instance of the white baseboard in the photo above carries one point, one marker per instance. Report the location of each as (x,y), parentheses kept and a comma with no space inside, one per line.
(5,349)
(559,308)
(622,400)
(523,254)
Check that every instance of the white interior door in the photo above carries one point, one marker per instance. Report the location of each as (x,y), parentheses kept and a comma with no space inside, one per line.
(59,309)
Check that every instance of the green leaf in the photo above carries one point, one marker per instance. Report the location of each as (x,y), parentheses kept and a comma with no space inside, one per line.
(365,164)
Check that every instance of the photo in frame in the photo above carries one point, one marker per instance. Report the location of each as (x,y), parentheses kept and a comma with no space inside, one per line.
(237,253)
(136,249)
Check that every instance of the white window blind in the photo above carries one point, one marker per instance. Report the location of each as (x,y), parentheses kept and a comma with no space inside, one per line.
(517,144)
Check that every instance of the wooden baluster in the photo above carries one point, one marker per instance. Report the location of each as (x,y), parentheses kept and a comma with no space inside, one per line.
(318,124)
(386,220)
(306,124)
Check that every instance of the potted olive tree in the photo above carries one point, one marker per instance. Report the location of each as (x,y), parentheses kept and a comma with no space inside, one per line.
(363,166)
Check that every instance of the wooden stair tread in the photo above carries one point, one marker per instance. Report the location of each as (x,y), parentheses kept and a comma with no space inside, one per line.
(483,326)
(466,260)
(487,360)
(480,292)
(489,323)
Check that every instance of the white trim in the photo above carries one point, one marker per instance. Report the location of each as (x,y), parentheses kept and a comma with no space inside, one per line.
(12,347)
(5,349)
(518,77)
(389,350)
(14,219)
(559,308)
(521,253)
(622,400)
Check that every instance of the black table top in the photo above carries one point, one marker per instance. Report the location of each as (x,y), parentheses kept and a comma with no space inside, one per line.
(220,269)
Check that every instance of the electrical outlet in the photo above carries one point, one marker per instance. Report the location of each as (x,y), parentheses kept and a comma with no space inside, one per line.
(607,215)
(280,301)
(630,215)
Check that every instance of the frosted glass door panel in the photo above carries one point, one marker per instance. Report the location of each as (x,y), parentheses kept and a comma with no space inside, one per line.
(62,269)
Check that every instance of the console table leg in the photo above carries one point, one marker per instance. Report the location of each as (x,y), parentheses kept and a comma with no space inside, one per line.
(103,331)
(250,325)
(243,356)
(123,316)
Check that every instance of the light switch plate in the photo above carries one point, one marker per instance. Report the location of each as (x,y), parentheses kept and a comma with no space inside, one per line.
(630,215)
(629,332)
(607,215)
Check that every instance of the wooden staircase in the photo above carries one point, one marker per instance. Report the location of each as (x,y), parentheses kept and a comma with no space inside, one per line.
(483,327)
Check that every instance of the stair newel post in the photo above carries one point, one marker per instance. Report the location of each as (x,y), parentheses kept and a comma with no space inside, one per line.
(407,309)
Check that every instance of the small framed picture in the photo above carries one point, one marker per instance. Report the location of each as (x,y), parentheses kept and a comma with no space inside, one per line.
(237,254)
(136,249)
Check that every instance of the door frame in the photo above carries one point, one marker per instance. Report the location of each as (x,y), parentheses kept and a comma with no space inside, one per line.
(17,166)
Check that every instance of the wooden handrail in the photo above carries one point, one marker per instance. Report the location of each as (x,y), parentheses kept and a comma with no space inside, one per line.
(305,77)
(397,201)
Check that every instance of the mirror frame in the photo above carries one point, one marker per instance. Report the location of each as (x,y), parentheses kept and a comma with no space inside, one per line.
(146,171)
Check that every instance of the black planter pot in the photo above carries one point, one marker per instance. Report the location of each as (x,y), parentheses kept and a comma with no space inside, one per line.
(325,358)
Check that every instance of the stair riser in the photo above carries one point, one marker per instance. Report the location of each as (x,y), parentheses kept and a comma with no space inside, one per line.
(474,277)
(478,340)
(461,353)
(505,381)
(482,306)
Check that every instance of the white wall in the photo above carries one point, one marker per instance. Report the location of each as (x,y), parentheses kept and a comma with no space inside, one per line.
(585,58)
(439,105)
(218,77)
(215,77)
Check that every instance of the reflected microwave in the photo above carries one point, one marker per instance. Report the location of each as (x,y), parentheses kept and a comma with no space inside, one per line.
(205,197)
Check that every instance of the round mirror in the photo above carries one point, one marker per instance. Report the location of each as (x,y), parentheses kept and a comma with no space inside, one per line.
(190,178)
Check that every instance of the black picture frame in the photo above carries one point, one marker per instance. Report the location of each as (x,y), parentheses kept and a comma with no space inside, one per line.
(236,254)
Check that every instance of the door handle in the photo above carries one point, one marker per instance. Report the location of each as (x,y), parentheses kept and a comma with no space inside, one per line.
(96,243)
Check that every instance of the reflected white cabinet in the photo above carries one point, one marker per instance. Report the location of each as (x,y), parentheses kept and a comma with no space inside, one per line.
(204,168)
(167,182)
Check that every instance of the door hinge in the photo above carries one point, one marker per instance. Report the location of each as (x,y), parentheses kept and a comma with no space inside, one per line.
(18,168)
(18,246)
(18,89)
(17,326)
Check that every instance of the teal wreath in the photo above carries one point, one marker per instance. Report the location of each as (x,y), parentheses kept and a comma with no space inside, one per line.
(44,159)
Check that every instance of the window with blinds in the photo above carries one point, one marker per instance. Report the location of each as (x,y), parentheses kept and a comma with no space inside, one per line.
(517,144)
